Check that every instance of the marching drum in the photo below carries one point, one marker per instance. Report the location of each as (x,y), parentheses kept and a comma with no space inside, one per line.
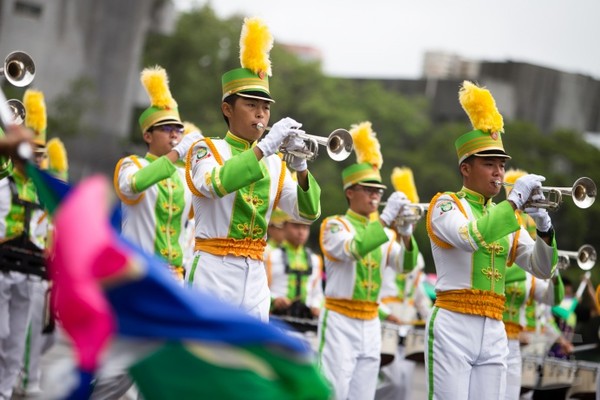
(389,344)
(557,373)
(530,371)
(414,345)
(586,379)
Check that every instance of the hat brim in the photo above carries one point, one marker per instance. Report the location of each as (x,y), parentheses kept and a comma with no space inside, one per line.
(373,184)
(295,221)
(493,153)
(256,95)
(169,121)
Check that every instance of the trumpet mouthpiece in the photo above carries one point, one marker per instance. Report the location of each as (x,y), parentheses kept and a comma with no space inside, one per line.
(174,143)
(499,183)
(260,126)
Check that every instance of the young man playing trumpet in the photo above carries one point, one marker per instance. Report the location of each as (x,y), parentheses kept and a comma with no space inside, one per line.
(237,183)
(472,240)
(156,202)
(356,251)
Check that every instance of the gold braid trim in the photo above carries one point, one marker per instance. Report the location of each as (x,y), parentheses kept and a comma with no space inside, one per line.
(188,170)
(512,330)
(432,235)
(280,184)
(357,309)
(322,234)
(531,298)
(252,248)
(472,301)
(513,250)
(124,199)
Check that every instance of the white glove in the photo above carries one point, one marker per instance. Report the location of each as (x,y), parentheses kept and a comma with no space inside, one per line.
(543,223)
(280,130)
(186,142)
(393,206)
(524,188)
(297,164)
(406,229)
(295,143)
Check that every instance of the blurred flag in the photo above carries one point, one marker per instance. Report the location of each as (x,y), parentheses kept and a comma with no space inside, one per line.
(50,189)
(106,286)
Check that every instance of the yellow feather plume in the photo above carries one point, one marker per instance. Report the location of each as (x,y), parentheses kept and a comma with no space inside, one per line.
(57,157)
(255,44)
(510,176)
(403,181)
(35,107)
(480,106)
(189,127)
(156,83)
(366,145)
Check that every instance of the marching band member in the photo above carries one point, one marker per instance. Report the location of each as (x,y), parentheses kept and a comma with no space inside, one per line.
(356,251)
(237,183)
(521,288)
(404,296)
(472,239)
(294,274)
(18,199)
(40,336)
(9,145)
(156,202)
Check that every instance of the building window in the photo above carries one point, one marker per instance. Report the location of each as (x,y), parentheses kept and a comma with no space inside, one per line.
(28,9)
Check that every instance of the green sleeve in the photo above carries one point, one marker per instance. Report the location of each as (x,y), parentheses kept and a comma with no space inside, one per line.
(410,256)
(383,314)
(309,201)
(373,237)
(236,173)
(499,222)
(5,162)
(156,171)
(559,290)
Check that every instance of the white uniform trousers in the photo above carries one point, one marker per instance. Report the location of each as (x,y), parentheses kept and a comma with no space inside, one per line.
(37,342)
(396,378)
(15,294)
(514,366)
(240,281)
(465,356)
(349,354)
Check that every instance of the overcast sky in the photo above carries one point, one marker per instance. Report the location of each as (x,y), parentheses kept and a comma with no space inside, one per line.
(388,38)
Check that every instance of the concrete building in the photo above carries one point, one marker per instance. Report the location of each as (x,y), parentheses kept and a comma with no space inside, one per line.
(549,98)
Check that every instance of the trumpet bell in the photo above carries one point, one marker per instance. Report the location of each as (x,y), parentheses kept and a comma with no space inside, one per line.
(17,110)
(18,69)
(584,192)
(586,257)
(339,145)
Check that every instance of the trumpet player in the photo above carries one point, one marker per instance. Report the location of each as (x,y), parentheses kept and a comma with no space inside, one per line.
(18,207)
(522,289)
(471,239)
(156,202)
(356,250)
(238,183)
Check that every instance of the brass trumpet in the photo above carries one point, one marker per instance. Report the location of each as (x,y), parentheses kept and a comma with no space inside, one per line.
(339,145)
(18,69)
(583,193)
(17,110)
(585,257)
